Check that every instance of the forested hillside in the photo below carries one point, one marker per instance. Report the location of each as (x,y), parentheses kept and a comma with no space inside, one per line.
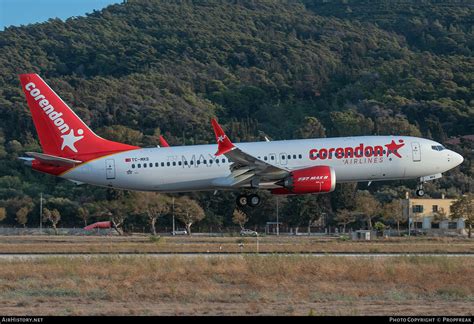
(283,69)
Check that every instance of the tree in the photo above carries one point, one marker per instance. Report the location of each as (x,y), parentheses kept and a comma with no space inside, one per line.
(117,211)
(22,215)
(345,217)
(52,216)
(3,213)
(240,218)
(13,205)
(188,211)
(440,215)
(393,211)
(464,208)
(368,206)
(312,128)
(350,123)
(152,205)
(395,126)
(379,226)
(83,213)
(304,209)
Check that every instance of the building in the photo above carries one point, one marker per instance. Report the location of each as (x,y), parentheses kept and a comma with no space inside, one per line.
(431,215)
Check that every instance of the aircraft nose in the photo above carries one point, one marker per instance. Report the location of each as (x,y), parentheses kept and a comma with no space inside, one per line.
(456,158)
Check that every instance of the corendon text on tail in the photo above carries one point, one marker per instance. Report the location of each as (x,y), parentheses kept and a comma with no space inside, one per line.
(71,150)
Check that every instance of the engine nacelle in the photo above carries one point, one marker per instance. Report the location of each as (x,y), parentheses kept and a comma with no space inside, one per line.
(321,178)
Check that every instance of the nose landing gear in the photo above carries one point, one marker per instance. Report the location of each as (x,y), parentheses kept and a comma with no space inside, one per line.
(419,190)
(252,200)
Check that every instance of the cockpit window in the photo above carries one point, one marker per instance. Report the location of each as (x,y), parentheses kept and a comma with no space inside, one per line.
(438,147)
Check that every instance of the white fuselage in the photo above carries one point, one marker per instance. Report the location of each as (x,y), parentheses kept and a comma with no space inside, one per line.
(194,168)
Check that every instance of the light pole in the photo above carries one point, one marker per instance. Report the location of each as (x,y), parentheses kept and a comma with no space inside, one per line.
(257,242)
(41,213)
(278,223)
(173,215)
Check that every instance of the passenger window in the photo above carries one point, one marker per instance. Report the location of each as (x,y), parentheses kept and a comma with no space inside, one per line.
(174,163)
(198,162)
(179,162)
(210,161)
(185,162)
(289,157)
(168,164)
(282,157)
(156,164)
(133,166)
(191,162)
(223,160)
(151,165)
(139,166)
(204,161)
(272,157)
(162,164)
(144,165)
(265,158)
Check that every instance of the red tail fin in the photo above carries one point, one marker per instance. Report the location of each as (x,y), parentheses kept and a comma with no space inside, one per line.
(61,132)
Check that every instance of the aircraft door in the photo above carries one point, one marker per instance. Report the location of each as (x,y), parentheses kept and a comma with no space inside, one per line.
(416,151)
(110,169)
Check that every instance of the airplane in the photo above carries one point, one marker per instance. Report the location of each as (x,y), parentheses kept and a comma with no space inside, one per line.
(71,150)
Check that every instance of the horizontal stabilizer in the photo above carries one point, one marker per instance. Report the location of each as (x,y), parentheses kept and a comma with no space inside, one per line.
(27,160)
(53,160)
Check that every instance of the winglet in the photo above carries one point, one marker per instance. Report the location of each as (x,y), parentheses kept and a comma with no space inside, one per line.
(224,145)
(163,142)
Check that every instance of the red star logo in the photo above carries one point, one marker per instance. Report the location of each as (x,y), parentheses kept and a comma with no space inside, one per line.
(393,148)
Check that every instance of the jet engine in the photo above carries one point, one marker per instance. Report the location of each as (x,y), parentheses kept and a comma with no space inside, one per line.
(317,179)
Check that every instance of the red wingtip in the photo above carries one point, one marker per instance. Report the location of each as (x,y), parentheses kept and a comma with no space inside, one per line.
(224,145)
(163,142)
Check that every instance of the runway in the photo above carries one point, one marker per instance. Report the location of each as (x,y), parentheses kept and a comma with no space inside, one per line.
(42,255)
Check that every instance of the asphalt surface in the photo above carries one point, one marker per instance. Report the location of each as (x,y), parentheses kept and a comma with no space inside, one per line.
(39,255)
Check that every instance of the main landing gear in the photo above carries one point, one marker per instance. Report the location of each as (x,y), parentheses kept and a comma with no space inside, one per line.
(252,200)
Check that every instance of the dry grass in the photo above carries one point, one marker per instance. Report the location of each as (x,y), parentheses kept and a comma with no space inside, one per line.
(68,244)
(271,285)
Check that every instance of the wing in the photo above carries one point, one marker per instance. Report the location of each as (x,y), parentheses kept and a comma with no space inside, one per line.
(245,169)
(53,160)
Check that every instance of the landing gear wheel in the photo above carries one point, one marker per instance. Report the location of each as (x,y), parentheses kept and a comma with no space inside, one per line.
(419,189)
(253,200)
(242,200)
